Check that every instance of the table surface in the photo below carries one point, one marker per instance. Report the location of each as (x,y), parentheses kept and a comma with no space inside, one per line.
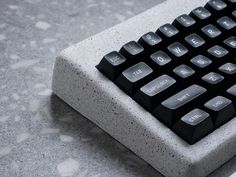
(39,134)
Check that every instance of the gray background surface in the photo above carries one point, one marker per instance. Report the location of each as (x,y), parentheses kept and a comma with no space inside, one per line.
(39,134)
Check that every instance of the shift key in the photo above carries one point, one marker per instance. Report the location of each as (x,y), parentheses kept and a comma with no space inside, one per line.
(173,108)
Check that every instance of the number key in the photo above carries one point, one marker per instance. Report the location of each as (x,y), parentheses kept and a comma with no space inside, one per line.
(132,51)
(150,41)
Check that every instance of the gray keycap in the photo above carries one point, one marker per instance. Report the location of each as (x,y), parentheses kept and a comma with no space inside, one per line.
(158,85)
(201,13)
(137,72)
(194,40)
(226,22)
(151,38)
(133,47)
(213,78)
(234,13)
(160,58)
(195,117)
(218,51)
(231,42)
(217,4)
(201,61)
(211,31)
(228,68)
(217,103)
(168,30)
(185,20)
(184,97)
(232,90)
(177,49)
(115,58)
(184,71)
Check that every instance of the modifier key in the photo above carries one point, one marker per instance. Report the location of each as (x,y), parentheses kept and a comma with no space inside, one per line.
(194,126)
(172,109)
(221,110)
(112,64)
(155,91)
(134,77)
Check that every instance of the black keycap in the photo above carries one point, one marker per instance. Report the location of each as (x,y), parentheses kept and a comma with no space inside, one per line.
(184,71)
(226,23)
(218,51)
(231,4)
(211,31)
(167,32)
(230,43)
(231,94)
(213,78)
(173,108)
(234,13)
(194,126)
(216,7)
(155,91)
(221,110)
(213,82)
(132,51)
(178,50)
(134,77)
(111,65)
(228,70)
(184,23)
(201,14)
(195,40)
(150,41)
(232,1)
(160,58)
(201,61)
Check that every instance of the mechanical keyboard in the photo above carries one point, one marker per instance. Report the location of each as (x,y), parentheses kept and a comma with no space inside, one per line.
(181,72)
(162,83)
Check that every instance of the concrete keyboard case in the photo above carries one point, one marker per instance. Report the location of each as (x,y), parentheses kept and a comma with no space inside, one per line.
(82,86)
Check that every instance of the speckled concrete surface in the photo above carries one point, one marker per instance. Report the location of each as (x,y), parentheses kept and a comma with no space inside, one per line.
(39,134)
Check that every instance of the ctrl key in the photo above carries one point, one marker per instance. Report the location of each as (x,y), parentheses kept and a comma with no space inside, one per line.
(221,110)
(194,125)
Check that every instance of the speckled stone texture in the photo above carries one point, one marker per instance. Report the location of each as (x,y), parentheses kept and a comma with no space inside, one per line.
(77,81)
(40,135)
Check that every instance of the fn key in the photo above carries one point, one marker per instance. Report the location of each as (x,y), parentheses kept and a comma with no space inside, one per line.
(221,110)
